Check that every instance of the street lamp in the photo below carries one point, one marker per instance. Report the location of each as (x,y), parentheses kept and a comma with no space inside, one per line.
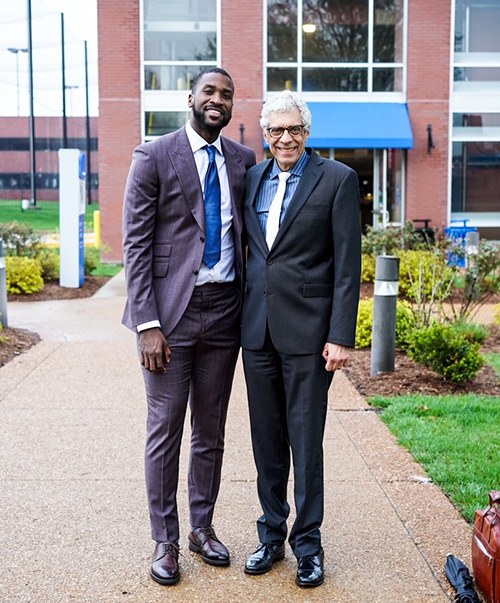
(16,51)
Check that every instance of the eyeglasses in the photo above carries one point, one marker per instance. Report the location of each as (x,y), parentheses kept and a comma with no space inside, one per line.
(292,130)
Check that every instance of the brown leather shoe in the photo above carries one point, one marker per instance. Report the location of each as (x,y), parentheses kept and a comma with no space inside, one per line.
(165,566)
(205,542)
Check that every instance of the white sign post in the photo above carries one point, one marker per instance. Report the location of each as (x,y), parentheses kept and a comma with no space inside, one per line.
(72,174)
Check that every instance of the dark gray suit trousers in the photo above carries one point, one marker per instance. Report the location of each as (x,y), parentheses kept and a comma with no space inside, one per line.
(205,345)
(287,397)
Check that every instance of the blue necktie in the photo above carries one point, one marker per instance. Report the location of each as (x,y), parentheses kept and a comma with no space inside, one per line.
(213,223)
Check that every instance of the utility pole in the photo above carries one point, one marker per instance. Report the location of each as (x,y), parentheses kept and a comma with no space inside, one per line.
(32,112)
(63,69)
(87,128)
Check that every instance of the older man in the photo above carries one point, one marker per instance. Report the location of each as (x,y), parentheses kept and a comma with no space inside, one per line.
(299,320)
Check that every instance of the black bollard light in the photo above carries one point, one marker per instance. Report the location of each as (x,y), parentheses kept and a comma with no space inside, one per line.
(384,314)
(3,288)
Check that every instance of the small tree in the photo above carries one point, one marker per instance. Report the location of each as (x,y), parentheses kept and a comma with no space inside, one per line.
(391,240)
(20,240)
(481,280)
(428,281)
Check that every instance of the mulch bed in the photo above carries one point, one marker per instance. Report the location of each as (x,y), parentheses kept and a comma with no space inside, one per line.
(16,341)
(410,377)
(51,290)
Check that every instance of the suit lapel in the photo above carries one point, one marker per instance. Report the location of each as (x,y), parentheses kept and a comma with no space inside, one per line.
(252,224)
(307,184)
(234,170)
(184,164)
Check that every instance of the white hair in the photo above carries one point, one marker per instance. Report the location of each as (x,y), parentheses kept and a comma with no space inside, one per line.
(282,103)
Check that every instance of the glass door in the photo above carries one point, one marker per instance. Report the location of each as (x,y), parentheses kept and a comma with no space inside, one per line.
(362,162)
(388,177)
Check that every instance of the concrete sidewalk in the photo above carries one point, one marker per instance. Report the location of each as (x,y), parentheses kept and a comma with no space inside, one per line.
(74,524)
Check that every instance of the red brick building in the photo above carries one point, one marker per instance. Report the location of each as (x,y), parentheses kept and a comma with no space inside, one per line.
(407,92)
(15,166)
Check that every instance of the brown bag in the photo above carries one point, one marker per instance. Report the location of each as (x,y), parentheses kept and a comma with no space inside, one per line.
(486,549)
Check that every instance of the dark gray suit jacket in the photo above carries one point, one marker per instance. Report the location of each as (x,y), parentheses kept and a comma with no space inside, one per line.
(164,226)
(307,287)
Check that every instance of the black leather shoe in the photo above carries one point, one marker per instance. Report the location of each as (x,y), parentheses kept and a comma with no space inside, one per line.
(310,570)
(165,566)
(262,560)
(205,542)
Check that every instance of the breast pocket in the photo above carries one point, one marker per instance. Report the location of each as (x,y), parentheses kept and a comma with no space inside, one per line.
(313,213)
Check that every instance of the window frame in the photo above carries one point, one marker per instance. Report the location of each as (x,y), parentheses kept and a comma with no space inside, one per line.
(165,101)
(370,64)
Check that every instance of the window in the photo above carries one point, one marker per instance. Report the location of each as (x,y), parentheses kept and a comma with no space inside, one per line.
(476,163)
(477,46)
(180,40)
(164,122)
(335,46)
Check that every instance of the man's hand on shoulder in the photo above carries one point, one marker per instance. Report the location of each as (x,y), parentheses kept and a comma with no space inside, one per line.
(336,356)
(155,351)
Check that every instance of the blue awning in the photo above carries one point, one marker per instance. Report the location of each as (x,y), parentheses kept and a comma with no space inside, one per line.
(360,126)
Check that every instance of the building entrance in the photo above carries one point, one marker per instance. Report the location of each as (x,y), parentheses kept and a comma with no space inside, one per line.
(380,173)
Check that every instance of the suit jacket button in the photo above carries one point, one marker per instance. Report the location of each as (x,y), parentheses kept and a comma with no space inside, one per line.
(196,272)
(202,239)
(269,262)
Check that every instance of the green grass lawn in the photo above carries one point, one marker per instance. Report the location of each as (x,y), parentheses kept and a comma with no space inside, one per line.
(44,218)
(493,360)
(455,438)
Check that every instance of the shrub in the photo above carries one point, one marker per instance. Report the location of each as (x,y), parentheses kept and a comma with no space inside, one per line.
(405,323)
(390,240)
(481,280)
(424,274)
(446,352)
(473,332)
(368,263)
(496,316)
(92,259)
(24,275)
(50,262)
(364,323)
(19,239)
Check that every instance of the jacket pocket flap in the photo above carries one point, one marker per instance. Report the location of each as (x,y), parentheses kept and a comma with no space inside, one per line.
(161,250)
(317,290)
(160,269)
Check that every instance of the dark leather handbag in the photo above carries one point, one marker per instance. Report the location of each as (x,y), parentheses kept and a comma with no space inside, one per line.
(486,549)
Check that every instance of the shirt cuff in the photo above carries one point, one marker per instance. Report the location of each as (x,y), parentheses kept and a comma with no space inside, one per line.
(152,324)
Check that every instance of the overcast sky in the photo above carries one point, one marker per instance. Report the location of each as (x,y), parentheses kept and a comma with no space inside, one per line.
(80,21)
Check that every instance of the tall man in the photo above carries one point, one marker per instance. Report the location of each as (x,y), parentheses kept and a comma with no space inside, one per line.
(182,226)
(299,320)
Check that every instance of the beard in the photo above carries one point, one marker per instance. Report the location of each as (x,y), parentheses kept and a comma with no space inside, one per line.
(204,124)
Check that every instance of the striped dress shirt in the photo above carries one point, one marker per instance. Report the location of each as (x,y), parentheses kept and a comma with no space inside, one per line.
(270,186)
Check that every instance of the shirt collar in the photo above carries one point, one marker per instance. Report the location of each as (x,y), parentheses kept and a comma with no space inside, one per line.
(297,169)
(197,142)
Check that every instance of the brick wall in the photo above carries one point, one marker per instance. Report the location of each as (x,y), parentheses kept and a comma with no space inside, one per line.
(119,111)
(46,161)
(243,57)
(428,103)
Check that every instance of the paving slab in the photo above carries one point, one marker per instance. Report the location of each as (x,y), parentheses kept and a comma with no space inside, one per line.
(74,524)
